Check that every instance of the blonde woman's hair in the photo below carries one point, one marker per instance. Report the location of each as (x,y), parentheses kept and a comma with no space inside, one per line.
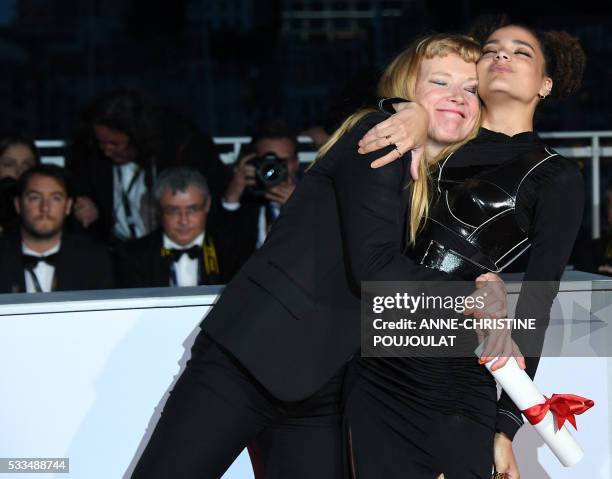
(399,80)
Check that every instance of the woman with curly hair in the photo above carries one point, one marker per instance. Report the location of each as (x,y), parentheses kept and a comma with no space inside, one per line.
(422,418)
(123,143)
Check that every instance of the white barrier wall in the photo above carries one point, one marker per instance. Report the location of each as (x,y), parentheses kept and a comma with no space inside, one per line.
(83,374)
(84,379)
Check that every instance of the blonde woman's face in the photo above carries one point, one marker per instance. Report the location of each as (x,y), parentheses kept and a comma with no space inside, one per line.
(446,87)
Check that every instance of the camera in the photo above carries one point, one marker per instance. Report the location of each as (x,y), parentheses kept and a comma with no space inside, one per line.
(270,170)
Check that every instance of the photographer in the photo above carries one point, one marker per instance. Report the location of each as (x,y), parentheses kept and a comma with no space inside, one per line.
(262,183)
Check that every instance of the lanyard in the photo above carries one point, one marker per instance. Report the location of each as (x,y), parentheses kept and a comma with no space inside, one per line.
(37,285)
(125,200)
(209,268)
(211,263)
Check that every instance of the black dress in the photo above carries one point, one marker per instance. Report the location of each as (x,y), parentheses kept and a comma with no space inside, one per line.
(419,417)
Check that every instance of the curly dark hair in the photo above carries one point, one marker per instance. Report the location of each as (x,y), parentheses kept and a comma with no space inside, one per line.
(564,58)
(125,111)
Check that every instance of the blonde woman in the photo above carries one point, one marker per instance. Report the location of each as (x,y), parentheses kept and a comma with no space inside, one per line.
(267,367)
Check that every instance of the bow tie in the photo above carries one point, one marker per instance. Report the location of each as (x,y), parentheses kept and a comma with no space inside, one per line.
(176,254)
(31,262)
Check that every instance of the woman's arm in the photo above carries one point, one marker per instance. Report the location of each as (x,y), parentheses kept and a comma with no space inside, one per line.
(407,129)
(556,219)
(503,457)
(373,208)
(372,211)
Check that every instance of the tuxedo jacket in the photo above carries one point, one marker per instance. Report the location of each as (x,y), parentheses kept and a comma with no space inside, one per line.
(140,263)
(243,225)
(291,315)
(81,264)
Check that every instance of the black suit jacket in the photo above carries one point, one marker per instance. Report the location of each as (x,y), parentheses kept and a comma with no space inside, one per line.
(81,264)
(141,265)
(243,226)
(291,315)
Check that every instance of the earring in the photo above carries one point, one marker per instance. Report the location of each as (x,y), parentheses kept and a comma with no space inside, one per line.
(545,95)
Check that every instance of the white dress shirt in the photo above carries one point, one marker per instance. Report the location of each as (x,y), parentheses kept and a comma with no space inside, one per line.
(44,272)
(185,269)
(262,223)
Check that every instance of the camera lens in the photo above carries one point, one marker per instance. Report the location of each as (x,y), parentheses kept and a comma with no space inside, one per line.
(271,170)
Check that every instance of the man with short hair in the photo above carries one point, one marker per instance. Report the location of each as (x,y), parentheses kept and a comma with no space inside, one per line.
(249,210)
(182,252)
(40,256)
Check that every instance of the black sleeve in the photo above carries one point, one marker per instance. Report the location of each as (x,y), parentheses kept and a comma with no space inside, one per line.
(385,105)
(102,273)
(557,215)
(232,249)
(129,265)
(79,156)
(90,175)
(380,103)
(372,219)
(236,232)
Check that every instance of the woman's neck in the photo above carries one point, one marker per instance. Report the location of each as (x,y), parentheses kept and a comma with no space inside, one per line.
(507,117)
(432,149)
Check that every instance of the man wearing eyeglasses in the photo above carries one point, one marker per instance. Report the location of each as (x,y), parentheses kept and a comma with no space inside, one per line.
(183,252)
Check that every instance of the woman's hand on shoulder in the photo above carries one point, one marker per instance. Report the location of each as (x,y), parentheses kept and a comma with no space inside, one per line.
(406,129)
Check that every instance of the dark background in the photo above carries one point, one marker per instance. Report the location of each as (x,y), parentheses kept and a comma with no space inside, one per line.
(231,64)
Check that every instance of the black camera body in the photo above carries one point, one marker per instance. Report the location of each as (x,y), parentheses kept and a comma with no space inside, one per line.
(270,170)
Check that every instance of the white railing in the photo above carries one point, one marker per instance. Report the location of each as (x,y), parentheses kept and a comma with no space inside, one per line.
(307,152)
(230,144)
(590,147)
(595,151)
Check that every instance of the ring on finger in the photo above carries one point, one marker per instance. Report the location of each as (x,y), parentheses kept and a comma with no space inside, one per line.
(388,138)
(398,150)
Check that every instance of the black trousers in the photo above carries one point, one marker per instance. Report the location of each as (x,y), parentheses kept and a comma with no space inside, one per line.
(216,408)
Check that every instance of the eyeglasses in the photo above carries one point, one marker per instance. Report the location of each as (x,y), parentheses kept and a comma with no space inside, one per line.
(176,212)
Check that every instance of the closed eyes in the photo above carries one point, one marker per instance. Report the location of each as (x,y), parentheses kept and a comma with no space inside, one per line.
(516,52)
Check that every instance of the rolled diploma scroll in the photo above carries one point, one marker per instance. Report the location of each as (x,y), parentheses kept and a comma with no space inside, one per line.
(524,393)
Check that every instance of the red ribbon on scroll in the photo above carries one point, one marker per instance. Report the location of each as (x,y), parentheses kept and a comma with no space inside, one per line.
(563,406)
